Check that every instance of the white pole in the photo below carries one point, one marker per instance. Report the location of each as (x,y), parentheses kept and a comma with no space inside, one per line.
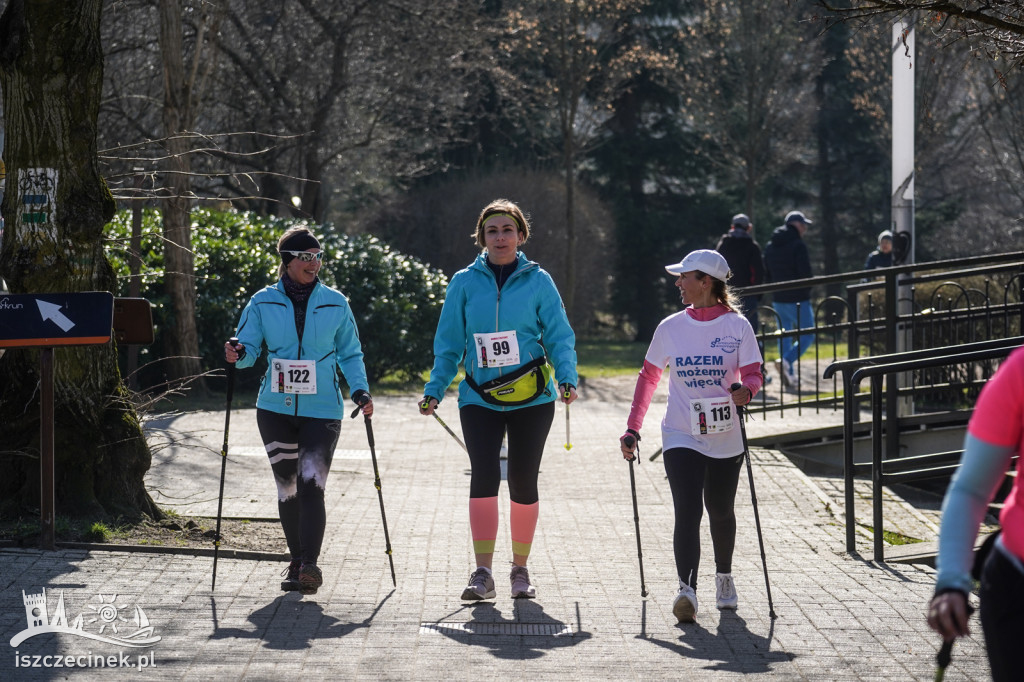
(903,64)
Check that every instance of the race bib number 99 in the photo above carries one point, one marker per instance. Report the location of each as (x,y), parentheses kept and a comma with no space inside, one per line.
(710,415)
(498,349)
(292,376)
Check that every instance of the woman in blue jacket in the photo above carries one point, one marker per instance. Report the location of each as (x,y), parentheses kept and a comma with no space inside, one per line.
(503,316)
(309,332)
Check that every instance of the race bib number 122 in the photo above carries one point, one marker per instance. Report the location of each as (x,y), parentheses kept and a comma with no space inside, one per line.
(292,376)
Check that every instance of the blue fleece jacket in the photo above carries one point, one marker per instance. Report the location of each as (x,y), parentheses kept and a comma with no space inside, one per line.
(330,338)
(528,303)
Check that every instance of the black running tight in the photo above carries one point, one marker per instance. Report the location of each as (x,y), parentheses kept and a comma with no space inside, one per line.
(699,481)
(527,429)
(300,451)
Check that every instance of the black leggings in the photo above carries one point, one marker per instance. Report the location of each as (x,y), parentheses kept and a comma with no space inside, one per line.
(1002,615)
(300,451)
(527,431)
(697,481)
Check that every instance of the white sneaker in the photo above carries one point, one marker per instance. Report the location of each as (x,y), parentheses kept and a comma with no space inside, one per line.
(684,608)
(725,591)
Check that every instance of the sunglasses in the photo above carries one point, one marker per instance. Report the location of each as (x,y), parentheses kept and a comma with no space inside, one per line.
(306,256)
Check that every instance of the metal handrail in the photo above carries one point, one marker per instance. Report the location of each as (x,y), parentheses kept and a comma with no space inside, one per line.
(1003,258)
(876,371)
(839,318)
(847,368)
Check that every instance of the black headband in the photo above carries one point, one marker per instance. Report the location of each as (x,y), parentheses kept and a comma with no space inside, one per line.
(300,241)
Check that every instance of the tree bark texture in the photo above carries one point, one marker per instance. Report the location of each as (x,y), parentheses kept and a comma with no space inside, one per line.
(179,263)
(51,72)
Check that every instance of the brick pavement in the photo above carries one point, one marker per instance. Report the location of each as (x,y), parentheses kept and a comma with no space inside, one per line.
(839,617)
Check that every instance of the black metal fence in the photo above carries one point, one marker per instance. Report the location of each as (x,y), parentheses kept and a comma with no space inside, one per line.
(888,310)
(889,470)
(927,335)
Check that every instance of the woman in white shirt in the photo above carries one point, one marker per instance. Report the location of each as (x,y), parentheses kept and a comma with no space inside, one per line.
(707,347)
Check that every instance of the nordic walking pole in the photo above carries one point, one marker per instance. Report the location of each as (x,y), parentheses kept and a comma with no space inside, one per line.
(568,441)
(753,498)
(224,460)
(426,406)
(629,441)
(376,483)
(942,660)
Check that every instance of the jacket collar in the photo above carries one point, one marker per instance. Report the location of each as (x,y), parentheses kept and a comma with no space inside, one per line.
(522,262)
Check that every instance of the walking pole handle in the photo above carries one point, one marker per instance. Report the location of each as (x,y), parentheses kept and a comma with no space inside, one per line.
(363,399)
(629,441)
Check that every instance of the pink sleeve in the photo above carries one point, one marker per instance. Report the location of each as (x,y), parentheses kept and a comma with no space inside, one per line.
(999,412)
(646,383)
(752,378)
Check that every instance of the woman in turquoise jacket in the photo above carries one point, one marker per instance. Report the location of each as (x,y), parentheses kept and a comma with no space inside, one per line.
(309,332)
(504,319)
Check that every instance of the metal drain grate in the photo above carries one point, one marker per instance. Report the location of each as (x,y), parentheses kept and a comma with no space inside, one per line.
(338,454)
(497,629)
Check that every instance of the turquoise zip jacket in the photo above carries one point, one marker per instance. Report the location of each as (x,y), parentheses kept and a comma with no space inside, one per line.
(528,304)
(329,338)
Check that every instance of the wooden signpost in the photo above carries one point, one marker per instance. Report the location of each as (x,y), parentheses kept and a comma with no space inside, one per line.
(46,321)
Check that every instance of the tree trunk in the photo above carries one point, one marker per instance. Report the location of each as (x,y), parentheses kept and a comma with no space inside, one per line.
(51,72)
(569,288)
(179,263)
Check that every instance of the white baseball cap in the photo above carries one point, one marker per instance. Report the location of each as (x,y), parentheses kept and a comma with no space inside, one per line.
(707,261)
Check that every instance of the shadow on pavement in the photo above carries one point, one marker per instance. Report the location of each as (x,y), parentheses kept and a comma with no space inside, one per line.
(731,647)
(528,634)
(288,623)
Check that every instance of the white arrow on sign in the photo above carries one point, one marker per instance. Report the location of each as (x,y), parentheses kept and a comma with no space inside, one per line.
(51,311)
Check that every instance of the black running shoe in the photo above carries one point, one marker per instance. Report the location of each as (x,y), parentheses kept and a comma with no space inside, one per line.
(291,576)
(310,578)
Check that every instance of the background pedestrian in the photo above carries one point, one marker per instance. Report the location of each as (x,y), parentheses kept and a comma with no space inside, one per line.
(786,258)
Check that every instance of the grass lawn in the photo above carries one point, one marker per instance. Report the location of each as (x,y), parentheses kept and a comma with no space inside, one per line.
(609,358)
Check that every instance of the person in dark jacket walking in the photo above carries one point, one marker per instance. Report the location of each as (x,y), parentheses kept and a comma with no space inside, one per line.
(746,267)
(786,258)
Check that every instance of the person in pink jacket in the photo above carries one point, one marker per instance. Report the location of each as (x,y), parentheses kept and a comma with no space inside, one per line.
(706,348)
(995,435)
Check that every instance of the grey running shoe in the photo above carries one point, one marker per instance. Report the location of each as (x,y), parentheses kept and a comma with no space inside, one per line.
(481,586)
(725,591)
(684,608)
(291,576)
(521,587)
(310,578)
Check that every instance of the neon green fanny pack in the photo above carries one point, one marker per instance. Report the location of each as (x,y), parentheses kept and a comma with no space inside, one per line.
(518,387)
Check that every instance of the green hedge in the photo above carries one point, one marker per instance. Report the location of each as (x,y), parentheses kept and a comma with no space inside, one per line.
(396,299)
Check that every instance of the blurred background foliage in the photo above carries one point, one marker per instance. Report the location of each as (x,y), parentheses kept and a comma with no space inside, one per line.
(393,296)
